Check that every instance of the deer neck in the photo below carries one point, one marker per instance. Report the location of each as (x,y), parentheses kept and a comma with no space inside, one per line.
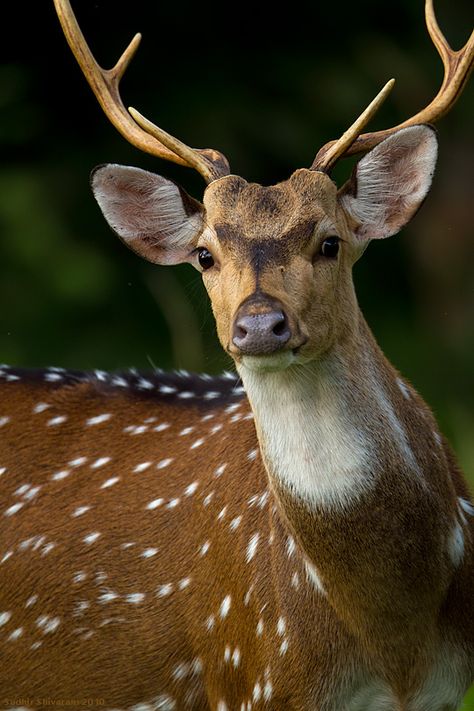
(325,427)
(344,442)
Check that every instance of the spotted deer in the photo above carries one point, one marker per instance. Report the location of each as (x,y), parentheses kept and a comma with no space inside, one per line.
(297,537)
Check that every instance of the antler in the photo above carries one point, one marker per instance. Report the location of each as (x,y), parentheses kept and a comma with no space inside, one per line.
(211,164)
(457,67)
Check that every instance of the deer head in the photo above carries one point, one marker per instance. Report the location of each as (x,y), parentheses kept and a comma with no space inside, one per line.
(276,261)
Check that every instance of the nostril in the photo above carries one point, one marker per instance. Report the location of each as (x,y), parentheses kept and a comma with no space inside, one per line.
(280,327)
(240,331)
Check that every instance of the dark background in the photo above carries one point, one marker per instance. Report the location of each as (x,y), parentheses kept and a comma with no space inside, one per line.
(267,86)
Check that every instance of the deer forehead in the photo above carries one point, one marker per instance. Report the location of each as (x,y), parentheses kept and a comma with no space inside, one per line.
(278,219)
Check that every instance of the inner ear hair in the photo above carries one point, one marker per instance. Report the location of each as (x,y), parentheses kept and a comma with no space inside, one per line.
(152,215)
(389,184)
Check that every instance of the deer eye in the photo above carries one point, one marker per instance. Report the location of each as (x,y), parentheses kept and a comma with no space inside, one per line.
(205,258)
(330,247)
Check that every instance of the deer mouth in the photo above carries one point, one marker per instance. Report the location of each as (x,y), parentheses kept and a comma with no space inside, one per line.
(268,363)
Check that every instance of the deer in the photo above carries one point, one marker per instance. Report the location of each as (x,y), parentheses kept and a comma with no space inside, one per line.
(296,535)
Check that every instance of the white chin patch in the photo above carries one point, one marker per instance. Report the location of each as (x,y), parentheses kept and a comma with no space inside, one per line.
(268,363)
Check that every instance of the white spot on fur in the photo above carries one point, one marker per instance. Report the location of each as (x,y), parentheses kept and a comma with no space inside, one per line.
(165,590)
(236,657)
(110,482)
(98,419)
(80,511)
(191,488)
(197,443)
(47,548)
(102,461)
(4,617)
(40,407)
(403,388)
(161,427)
(48,624)
(235,523)
(135,598)
(141,467)
(466,506)
(290,546)
(248,595)
(205,547)
(207,499)
(252,547)
(154,504)
(31,493)
(54,421)
(225,606)
(181,671)
(267,690)
(257,692)
(164,463)
(164,703)
(53,377)
(91,537)
(22,489)
(78,462)
(281,626)
(314,577)
(456,544)
(58,476)
(149,552)
(16,634)
(13,509)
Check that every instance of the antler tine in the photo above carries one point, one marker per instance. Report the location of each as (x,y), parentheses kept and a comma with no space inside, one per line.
(336,149)
(211,164)
(457,67)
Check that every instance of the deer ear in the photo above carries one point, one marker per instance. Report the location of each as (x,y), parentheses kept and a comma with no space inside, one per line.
(390,183)
(152,215)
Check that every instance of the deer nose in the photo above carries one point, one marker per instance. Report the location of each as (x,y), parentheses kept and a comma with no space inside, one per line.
(260,333)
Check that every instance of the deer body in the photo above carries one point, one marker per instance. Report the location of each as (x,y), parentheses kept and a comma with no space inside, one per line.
(303,542)
(137,578)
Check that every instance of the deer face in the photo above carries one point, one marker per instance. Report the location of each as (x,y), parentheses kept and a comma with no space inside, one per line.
(282,257)
(276,261)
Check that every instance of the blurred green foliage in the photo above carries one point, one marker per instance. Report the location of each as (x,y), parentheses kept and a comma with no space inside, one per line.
(268,89)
